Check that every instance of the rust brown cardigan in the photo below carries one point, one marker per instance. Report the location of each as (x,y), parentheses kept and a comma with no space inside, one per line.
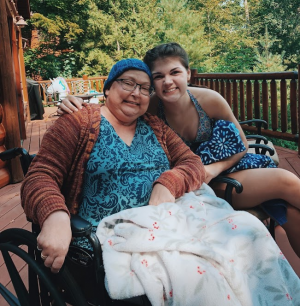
(55,178)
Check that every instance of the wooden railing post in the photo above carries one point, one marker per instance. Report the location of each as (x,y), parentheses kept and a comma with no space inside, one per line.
(193,78)
(256,99)
(86,86)
(265,100)
(283,106)
(242,101)
(299,109)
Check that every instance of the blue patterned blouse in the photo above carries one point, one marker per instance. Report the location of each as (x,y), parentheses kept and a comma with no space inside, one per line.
(119,176)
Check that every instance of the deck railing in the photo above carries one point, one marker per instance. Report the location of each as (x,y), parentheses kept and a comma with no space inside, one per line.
(77,86)
(274,97)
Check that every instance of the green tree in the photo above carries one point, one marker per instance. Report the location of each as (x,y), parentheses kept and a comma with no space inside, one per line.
(282,17)
(184,25)
(266,60)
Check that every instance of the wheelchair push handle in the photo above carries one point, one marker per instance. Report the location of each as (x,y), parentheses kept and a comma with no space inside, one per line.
(25,158)
(12,153)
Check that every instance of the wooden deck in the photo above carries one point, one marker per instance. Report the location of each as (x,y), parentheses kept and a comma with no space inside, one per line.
(11,212)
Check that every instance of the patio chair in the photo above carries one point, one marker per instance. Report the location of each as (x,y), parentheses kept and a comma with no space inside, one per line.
(80,282)
(258,144)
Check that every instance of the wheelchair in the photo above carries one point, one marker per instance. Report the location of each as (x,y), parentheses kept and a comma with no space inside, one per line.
(81,281)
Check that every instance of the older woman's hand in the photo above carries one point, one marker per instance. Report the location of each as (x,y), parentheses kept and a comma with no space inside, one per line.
(160,194)
(69,105)
(54,240)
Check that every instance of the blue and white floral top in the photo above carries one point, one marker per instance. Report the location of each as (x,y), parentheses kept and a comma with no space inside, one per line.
(119,176)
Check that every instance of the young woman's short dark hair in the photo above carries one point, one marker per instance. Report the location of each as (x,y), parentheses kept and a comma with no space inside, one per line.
(166,50)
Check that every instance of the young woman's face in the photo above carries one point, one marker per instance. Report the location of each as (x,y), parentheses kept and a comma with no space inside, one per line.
(170,79)
(128,105)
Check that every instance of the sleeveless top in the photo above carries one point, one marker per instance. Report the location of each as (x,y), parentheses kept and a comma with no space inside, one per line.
(205,123)
(119,176)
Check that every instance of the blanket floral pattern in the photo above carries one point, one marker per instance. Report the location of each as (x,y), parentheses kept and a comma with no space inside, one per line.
(198,251)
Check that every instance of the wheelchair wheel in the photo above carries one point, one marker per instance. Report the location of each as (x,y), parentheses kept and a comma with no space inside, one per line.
(42,286)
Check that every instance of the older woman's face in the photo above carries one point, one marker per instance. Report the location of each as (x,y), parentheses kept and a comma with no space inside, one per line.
(128,105)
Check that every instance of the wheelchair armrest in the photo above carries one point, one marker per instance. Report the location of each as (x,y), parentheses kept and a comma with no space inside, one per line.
(258,138)
(258,123)
(231,183)
(262,149)
(80,227)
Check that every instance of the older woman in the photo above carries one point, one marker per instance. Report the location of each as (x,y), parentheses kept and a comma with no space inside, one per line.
(111,158)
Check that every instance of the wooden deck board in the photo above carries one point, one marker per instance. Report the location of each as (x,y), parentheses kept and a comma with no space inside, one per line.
(12,215)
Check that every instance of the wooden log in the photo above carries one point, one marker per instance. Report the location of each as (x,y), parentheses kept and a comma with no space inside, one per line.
(193,79)
(217,86)
(256,100)
(298,109)
(228,93)
(2,134)
(265,100)
(1,113)
(235,99)
(242,101)
(223,89)
(283,106)
(274,114)
(8,86)
(249,100)
(4,177)
(293,106)
(18,81)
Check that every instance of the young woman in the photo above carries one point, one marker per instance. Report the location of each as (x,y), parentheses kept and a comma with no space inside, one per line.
(191,113)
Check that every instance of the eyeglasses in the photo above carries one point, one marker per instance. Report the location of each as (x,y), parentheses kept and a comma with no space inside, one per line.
(130,85)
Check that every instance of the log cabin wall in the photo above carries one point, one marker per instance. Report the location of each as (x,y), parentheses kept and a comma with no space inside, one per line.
(4,169)
(13,92)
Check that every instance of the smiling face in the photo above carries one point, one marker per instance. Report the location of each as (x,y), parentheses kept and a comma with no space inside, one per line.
(170,79)
(127,106)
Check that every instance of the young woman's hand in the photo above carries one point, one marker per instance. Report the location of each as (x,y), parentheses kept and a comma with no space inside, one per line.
(212,171)
(69,105)
(54,240)
(160,194)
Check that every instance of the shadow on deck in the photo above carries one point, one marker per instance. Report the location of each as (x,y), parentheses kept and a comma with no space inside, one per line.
(12,215)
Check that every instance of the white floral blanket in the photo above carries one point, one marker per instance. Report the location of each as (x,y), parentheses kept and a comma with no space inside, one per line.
(198,251)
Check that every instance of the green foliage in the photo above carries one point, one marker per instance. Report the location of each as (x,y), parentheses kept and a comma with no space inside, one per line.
(88,36)
(282,18)
(266,61)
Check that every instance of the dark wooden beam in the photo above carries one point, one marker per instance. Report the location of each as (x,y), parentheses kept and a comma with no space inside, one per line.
(8,90)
